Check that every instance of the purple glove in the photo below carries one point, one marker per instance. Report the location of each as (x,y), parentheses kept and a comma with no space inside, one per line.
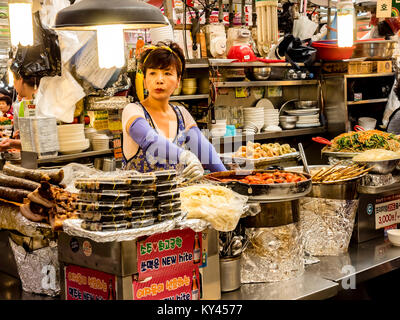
(154,145)
(204,150)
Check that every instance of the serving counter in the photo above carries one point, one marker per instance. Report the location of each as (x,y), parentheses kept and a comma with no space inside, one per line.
(325,279)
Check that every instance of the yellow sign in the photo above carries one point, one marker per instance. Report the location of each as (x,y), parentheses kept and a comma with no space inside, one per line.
(383,8)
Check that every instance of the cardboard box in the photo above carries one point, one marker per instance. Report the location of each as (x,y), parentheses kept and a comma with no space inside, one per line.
(384,66)
(360,67)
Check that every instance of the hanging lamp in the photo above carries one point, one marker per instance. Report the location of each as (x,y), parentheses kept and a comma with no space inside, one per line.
(109,19)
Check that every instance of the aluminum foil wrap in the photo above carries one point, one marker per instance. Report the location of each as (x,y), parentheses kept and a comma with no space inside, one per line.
(72,227)
(107,103)
(197,225)
(377,180)
(326,225)
(12,219)
(38,270)
(343,161)
(273,254)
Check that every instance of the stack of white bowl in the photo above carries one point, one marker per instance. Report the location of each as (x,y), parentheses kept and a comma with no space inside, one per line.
(271,120)
(100,142)
(253,117)
(189,86)
(218,129)
(71,138)
(89,133)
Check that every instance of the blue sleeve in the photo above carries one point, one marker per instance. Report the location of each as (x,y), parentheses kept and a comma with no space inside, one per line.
(154,145)
(204,150)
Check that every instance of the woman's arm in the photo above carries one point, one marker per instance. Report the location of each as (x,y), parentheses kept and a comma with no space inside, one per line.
(204,150)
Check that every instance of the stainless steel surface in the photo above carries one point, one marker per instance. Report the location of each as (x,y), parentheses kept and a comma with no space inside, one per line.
(306,287)
(7,260)
(274,214)
(304,159)
(336,154)
(287,125)
(374,50)
(394,187)
(305,104)
(381,167)
(230,273)
(228,63)
(228,84)
(260,73)
(363,261)
(268,135)
(264,193)
(339,190)
(189,97)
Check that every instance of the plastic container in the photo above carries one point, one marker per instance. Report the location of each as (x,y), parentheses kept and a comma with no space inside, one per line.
(328,50)
(173,195)
(141,223)
(143,202)
(165,175)
(101,217)
(106,226)
(102,206)
(169,207)
(105,196)
(144,212)
(168,186)
(124,183)
(168,216)
(142,192)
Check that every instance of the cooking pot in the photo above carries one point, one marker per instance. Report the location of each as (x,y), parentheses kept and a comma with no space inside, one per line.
(243,53)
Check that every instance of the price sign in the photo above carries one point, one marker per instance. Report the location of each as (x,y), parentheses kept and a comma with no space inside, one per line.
(387,213)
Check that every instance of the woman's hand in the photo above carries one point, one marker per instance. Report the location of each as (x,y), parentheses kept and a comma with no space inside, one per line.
(5,144)
(194,169)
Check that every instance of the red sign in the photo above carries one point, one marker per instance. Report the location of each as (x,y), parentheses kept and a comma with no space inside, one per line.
(168,252)
(182,285)
(87,284)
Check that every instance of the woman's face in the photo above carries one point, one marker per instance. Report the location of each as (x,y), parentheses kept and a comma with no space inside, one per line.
(161,83)
(4,106)
(18,85)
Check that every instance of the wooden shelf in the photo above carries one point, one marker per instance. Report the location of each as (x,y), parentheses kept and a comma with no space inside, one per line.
(351,103)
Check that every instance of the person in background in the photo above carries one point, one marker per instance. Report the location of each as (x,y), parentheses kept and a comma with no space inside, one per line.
(158,135)
(26,89)
(6,106)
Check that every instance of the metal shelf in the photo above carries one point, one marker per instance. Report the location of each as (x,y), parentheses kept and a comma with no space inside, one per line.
(351,103)
(196,63)
(268,135)
(189,97)
(74,156)
(232,84)
(229,63)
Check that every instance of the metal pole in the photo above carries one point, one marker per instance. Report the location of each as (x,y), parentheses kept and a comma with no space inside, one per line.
(328,34)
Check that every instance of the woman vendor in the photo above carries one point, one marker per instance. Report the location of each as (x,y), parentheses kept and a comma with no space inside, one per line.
(158,135)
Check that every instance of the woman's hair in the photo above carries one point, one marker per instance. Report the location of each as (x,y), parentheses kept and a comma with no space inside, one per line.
(30,81)
(161,58)
(7,99)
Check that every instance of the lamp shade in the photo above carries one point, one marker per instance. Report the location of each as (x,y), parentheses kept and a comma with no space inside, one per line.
(88,14)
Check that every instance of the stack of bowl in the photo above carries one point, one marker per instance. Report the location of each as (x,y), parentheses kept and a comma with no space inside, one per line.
(271,119)
(204,85)
(218,129)
(89,133)
(71,138)
(189,86)
(253,117)
(367,123)
(178,90)
(100,142)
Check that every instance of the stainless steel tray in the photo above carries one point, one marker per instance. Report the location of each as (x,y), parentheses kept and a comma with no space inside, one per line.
(379,189)
(265,160)
(337,154)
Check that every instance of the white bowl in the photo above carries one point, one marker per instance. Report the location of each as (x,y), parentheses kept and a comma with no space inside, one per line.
(75,147)
(273,128)
(367,123)
(394,236)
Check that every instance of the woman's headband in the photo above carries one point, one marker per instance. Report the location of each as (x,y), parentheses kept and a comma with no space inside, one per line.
(152,48)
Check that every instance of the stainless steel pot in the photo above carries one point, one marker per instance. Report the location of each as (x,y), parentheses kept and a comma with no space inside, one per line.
(305,104)
(230,273)
(374,50)
(259,73)
(380,167)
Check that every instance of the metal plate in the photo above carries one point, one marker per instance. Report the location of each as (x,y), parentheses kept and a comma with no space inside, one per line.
(265,160)
(337,154)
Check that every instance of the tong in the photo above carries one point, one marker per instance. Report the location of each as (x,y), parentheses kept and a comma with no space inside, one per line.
(321,140)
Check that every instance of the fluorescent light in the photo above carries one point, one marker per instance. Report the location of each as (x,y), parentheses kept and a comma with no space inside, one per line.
(345,24)
(21,26)
(10,78)
(110,45)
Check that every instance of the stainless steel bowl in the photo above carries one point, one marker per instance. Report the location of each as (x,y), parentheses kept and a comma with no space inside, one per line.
(305,104)
(260,73)
(288,122)
(374,50)
(380,167)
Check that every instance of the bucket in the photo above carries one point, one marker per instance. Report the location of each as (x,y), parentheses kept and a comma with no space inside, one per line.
(230,273)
